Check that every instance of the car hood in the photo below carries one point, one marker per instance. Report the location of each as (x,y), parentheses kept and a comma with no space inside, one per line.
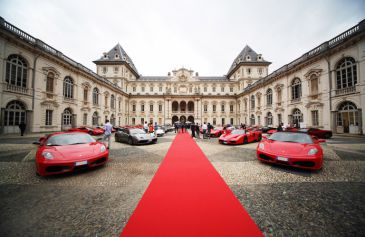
(288,148)
(142,136)
(74,152)
(230,136)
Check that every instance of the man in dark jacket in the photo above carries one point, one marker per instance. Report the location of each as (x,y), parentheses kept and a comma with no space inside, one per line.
(22,127)
(192,127)
(197,129)
(280,127)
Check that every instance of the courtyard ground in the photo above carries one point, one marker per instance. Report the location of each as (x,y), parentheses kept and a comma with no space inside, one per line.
(282,201)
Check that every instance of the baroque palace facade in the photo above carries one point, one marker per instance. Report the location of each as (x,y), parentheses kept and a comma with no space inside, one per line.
(48,91)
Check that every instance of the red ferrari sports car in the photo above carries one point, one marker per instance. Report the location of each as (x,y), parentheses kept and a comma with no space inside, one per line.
(291,149)
(63,152)
(216,132)
(91,131)
(240,136)
(319,133)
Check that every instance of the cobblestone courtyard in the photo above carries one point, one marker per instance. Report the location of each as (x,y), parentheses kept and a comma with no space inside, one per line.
(282,201)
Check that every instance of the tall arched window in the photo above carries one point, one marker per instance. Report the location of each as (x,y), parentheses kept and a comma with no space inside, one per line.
(68,85)
(269,119)
(95,96)
(67,117)
(14,113)
(252,102)
(112,102)
(296,89)
(252,119)
(16,71)
(95,118)
(269,97)
(346,73)
(50,82)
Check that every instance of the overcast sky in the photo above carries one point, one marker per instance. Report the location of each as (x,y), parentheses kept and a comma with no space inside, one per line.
(162,35)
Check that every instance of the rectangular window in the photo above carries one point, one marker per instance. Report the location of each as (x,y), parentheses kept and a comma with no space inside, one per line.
(214,108)
(160,108)
(85,94)
(133,121)
(222,108)
(84,119)
(160,88)
(231,108)
(280,120)
(214,121)
(134,89)
(315,121)
(142,108)
(223,121)
(49,117)
(151,108)
(231,89)
(116,69)
(134,108)
(205,108)
(142,121)
(213,89)
(151,89)
(231,121)
(222,89)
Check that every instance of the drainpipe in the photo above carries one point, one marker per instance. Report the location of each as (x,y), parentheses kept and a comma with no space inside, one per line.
(329,92)
(39,43)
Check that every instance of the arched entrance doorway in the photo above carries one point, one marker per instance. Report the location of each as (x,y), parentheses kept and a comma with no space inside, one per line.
(182,119)
(14,115)
(348,120)
(191,119)
(174,119)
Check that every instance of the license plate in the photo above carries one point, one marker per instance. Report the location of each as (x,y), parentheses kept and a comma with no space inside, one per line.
(282,158)
(81,163)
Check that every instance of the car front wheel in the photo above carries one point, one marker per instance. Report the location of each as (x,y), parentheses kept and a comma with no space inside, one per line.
(130,141)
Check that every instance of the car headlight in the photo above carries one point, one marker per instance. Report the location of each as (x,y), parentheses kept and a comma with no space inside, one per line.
(312,151)
(102,148)
(262,146)
(47,155)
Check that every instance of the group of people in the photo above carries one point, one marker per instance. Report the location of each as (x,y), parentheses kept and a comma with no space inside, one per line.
(195,129)
(149,127)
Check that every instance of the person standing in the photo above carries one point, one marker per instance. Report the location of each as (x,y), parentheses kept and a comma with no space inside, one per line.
(183,127)
(197,129)
(156,127)
(176,127)
(145,127)
(107,132)
(22,127)
(280,127)
(192,128)
(209,129)
(150,128)
(204,127)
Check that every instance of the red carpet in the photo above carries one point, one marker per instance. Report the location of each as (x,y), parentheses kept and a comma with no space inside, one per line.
(187,197)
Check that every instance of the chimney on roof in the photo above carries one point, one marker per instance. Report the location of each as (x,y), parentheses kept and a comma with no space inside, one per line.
(197,74)
(169,74)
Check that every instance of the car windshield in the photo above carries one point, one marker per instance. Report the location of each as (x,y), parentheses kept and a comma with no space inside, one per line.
(291,137)
(69,139)
(137,131)
(238,131)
